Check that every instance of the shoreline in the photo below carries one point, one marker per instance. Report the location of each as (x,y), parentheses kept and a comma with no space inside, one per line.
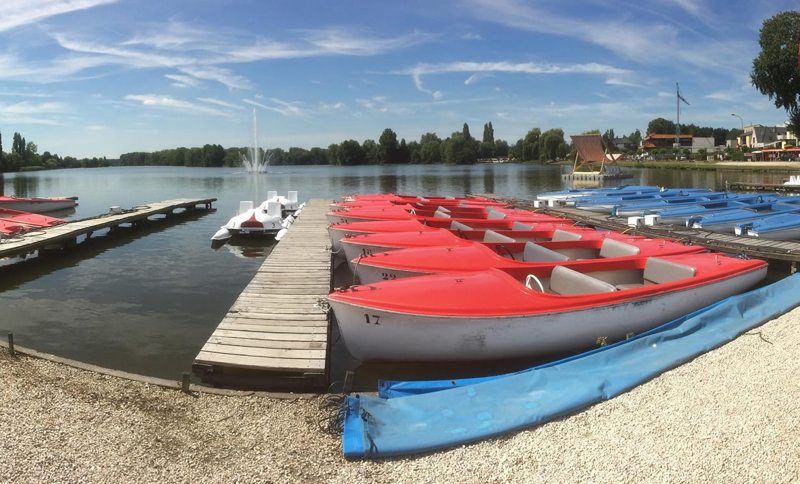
(730,414)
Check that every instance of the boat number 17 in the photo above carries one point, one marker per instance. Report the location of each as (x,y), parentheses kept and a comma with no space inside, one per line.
(372,318)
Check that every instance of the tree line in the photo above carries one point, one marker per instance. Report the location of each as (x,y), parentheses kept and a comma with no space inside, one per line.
(457,149)
(24,156)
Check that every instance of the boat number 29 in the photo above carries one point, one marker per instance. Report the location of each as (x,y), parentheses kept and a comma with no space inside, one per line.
(372,318)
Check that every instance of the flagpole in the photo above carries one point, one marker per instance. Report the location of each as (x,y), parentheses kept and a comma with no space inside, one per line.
(678,110)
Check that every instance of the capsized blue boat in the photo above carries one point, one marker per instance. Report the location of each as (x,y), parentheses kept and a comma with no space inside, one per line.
(578,192)
(785,226)
(473,410)
(727,221)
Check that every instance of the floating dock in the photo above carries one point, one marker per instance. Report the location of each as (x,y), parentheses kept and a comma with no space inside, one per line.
(778,253)
(761,187)
(66,235)
(276,335)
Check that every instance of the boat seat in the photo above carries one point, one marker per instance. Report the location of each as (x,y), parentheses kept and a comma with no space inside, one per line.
(439,214)
(622,287)
(521,226)
(454,225)
(537,253)
(565,281)
(660,271)
(492,236)
(611,248)
(495,215)
(562,235)
(442,209)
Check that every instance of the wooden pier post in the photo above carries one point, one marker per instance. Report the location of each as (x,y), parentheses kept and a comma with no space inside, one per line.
(11,344)
(185,382)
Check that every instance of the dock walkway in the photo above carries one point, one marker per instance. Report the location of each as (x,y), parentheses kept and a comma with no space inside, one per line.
(67,234)
(276,334)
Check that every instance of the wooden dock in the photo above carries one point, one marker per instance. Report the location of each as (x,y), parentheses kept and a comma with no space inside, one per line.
(778,253)
(761,187)
(66,235)
(276,334)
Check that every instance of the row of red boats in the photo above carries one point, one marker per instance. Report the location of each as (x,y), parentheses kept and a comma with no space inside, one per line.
(448,279)
(21,215)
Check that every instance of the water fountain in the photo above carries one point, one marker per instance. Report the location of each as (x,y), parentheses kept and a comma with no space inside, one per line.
(254,161)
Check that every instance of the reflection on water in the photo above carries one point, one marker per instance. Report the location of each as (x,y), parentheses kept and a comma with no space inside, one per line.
(148,302)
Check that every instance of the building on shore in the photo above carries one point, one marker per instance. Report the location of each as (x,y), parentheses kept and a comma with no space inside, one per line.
(757,136)
(655,141)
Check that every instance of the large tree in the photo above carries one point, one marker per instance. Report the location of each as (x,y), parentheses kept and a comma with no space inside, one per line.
(530,145)
(430,148)
(387,147)
(350,152)
(459,150)
(552,145)
(776,70)
(661,126)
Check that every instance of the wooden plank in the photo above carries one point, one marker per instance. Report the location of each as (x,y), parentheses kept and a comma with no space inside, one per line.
(265,328)
(265,352)
(260,363)
(265,343)
(236,333)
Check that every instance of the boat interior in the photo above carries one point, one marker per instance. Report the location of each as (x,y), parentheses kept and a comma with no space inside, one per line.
(564,281)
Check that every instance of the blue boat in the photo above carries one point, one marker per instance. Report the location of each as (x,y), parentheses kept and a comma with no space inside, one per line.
(679,215)
(785,226)
(606,204)
(728,220)
(584,192)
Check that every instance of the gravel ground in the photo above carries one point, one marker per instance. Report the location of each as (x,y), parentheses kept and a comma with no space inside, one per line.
(730,415)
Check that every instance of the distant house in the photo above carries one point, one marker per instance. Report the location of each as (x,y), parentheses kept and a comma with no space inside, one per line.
(758,136)
(693,143)
(655,141)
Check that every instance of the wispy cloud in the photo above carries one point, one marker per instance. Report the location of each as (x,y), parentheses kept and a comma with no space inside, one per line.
(219,102)
(472,36)
(201,52)
(332,106)
(46,113)
(169,102)
(613,75)
(284,108)
(16,13)
(635,41)
(182,80)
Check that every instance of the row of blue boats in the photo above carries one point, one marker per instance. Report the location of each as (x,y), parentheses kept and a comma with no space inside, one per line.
(765,215)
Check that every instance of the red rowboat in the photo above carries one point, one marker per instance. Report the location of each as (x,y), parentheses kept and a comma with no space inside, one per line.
(496,313)
(473,257)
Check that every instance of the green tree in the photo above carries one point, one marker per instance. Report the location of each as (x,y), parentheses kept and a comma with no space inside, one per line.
(636,138)
(488,133)
(608,138)
(403,153)
(370,149)
(530,145)
(387,147)
(552,145)
(430,148)
(775,70)
(460,150)
(501,148)
(415,152)
(660,126)
(350,152)
(465,132)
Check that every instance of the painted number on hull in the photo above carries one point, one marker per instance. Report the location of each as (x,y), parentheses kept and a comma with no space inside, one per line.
(366,251)
(372,318)
(388,276)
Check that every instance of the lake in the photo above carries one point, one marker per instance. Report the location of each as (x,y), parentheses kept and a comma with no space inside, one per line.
(146,302)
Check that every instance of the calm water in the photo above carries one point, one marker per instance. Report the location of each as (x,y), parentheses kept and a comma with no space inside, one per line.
(147,301)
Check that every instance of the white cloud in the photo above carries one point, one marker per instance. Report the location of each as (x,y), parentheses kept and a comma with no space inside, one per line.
(219,102)
(472,36)
(45,113)
(332,106)
(16,13)
(613,74)
(284,108)
(97,127)
(183,81)
(168,102)
(636,41)
(218,74)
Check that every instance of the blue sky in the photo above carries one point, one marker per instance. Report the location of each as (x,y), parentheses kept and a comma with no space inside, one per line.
(103,77)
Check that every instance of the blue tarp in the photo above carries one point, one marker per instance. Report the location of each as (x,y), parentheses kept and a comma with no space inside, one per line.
(480,408)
